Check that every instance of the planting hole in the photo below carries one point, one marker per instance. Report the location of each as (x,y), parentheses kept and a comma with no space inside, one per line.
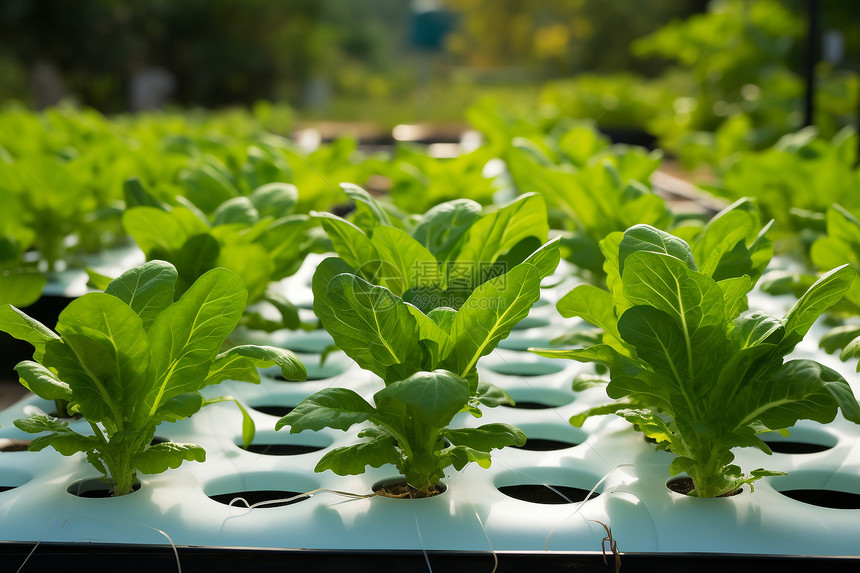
(547,485)
(314,342)
(531,322)
(279,411)
(522,342)
(267,497)
(545,445)
(526,369)
(282,449)
(546,494)
(397,488)
(832,499)
(279,488)
(534,399)
(801,440)
(550,437)
(789,447)
(12,445)
(684,485)
(284,444)
(316,371)
(95,488)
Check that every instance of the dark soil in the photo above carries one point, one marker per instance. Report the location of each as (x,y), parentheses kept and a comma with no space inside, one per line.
(684,486)
(10,445)
(401,490)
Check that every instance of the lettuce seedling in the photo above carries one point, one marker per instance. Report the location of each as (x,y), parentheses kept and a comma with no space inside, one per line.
(428,362)
(839,246)
(440,258)
(689,367)
(130,358)
(409,429)
(605,194)
(255,236)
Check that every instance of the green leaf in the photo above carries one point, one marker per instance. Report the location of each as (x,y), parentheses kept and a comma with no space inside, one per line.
(136,195)
(251,262)
(147,289)
(275,199)
(103,356)
(578,420)
(668,284)
(490,314)
(249,429)
(591,304)
(180,407)
(371,325)
(42,382)
(352,460)
(62,438)
(459,456)
(195,257)
(823,294)
(546,258)
(435,336)
(21,326)
(241,363)
(602,353)
(735,294)
(349,242)
(207,187)
(487,437)
(801,389)
(660,342)
(839,337)
(189,334)
(21,288)
(496,233)
(338,408)
(166,455)
(154,229)
(407,263)
(492,396)
(364,200)
(645,238)
(432,398)
(442,227)
(236,210)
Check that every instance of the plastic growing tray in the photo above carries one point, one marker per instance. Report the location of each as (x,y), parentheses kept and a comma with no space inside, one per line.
(541,506)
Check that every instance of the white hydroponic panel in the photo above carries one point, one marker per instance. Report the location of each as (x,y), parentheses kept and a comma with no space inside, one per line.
(622,476)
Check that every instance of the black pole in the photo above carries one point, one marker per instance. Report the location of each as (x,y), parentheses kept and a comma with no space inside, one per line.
(812,42)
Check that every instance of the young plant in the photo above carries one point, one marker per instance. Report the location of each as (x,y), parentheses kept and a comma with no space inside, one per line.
(600,195)
(21,282)
(409,429)
(839,246)
(130,358)
(440,258)
(428,363)
(255,236)
(689,367)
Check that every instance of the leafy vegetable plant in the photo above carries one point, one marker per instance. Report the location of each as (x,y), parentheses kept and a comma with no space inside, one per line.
(839,246)
(688,366)
(427,357)
(131,358)
(409,429)
(255,236)
(440,258)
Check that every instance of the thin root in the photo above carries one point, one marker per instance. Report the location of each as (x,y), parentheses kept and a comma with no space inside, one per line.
(613,546)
